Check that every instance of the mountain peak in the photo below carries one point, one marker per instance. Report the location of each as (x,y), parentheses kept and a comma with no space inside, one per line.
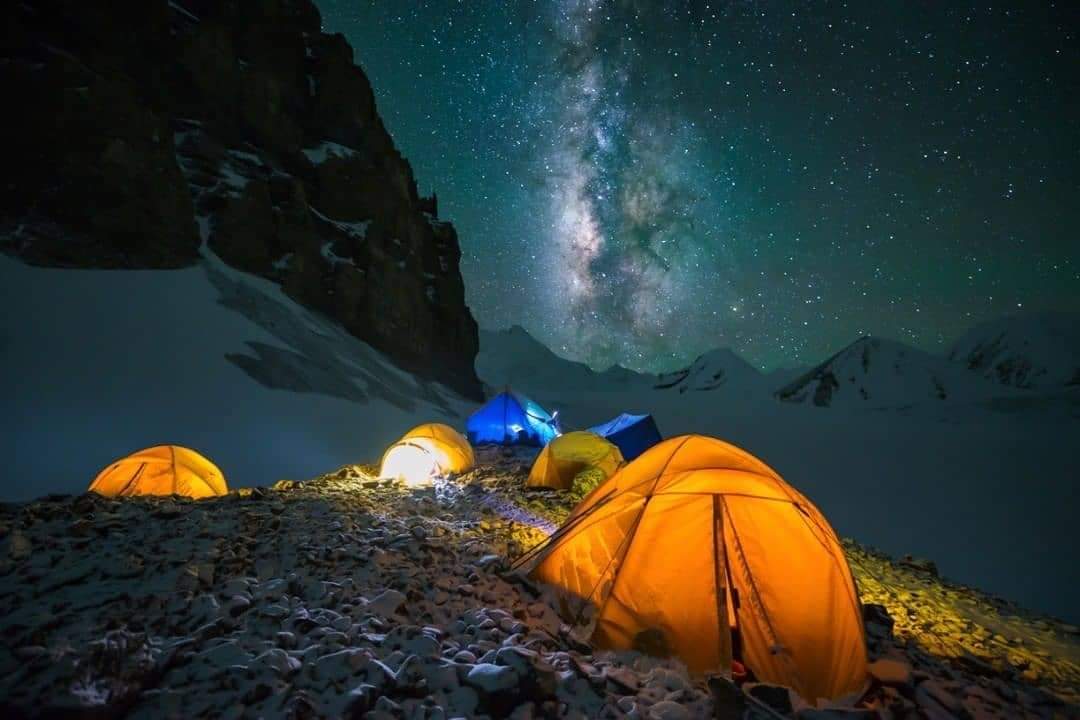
(718,368)
(876,372)
(1026,350)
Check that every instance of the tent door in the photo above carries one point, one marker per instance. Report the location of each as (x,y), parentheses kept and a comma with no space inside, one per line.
(722,579)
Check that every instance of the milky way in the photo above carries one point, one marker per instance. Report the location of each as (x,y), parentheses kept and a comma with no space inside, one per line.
(626,197)
(639,182)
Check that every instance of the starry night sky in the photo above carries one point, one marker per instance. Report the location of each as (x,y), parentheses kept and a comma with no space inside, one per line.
(639,181)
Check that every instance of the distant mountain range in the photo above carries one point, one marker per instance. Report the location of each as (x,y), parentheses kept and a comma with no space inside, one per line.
(1035,350)
(1015,355)
(514,357)
(880,372)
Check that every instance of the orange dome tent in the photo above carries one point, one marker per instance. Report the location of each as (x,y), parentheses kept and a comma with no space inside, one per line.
(567,455)
(161,470)
(426,451)
(698,546)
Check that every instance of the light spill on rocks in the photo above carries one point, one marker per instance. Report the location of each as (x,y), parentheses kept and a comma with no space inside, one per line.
(344,597)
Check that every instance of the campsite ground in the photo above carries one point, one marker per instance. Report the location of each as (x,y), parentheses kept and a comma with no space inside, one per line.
(344,595)
(267,389)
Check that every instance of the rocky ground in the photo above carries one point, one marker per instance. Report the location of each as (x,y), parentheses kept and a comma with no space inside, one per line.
(344,596)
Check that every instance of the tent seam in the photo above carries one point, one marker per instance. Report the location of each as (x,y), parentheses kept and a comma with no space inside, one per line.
(131,481)
(759,606)
(628,539)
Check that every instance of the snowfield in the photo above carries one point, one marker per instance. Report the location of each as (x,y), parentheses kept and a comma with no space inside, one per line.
(102,363)
(1031,351)
(99,364)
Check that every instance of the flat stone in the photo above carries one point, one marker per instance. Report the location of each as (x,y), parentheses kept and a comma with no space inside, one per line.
(491,678)
(623,678)
(667,710)
(890,672)
(388,602)
(941,694)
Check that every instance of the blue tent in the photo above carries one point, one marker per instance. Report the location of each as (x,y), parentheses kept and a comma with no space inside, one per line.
(633,434)
(512,419)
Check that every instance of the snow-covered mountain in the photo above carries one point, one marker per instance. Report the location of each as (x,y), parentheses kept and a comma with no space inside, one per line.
(903,469)
(871,373)
(874,372)
(513,357)
(106,362)
(1031,350)
(100,363)
(719,369)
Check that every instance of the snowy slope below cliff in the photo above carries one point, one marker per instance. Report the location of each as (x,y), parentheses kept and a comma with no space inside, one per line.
(107,362)
(1034,350)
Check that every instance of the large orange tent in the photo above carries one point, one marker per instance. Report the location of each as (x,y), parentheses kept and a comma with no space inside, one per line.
(161,470)
(425,452)
(697,546)
(567,455)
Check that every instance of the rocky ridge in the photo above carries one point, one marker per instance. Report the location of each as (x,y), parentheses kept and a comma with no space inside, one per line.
(349,597)
(149,133)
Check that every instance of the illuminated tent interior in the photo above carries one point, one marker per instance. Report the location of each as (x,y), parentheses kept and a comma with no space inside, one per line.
(567,455)
(697,549)
(425,452)
(634,434)
(161,470)
(510,418)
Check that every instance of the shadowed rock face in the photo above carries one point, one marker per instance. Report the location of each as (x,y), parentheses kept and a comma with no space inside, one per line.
(146,129)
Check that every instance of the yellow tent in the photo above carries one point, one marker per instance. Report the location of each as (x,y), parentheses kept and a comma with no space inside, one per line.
(161,470)
(697,549)
(567,455)
(426,451)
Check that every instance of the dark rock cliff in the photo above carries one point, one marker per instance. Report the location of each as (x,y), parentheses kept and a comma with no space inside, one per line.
(143,129)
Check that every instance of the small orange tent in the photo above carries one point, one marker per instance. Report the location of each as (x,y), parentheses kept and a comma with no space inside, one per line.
(697,546)
(161,470)
(426,451)
(567,455)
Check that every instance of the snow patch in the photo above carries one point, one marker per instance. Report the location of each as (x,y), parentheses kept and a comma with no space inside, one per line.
(326,149)
(247,156)
(183,12)
(282,263)
(327,251)
(208,357)
(357,229)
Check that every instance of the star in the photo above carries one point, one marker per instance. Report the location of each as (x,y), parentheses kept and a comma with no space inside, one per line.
(642,182)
